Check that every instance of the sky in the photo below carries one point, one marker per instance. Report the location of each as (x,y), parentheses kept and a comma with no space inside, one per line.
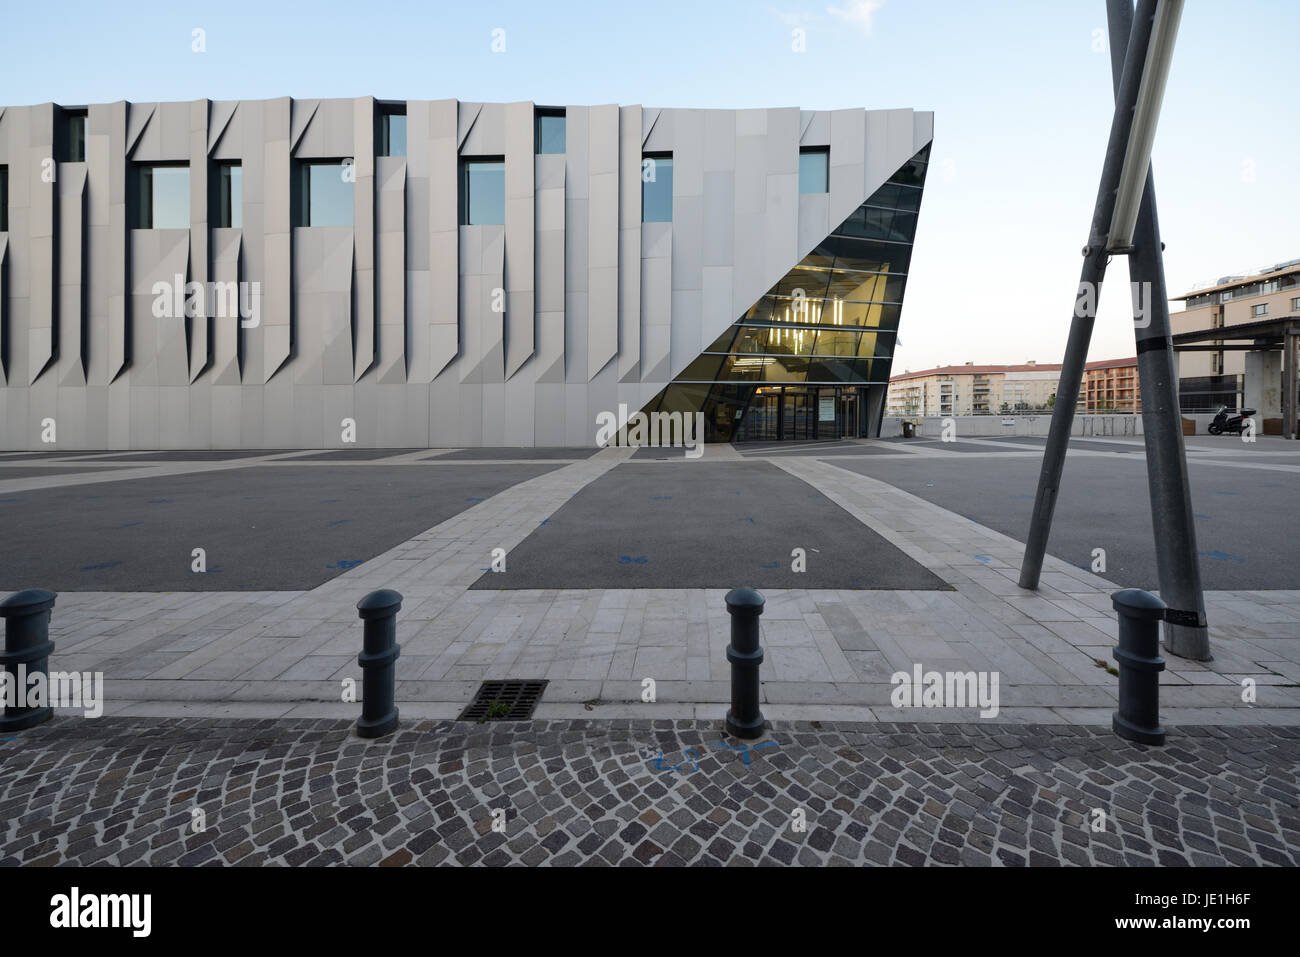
(1021,93)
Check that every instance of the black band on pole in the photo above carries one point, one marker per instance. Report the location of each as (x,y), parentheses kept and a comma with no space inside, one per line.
(1177,616)
(1154,342)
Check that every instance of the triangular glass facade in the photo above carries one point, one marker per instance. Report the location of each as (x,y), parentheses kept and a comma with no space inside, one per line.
(811,359)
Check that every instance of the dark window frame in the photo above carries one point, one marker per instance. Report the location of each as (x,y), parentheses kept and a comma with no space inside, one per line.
(549,112)
(140,201)
(225,207)
(4,199)
(300,200)
(657,155)
(384,112)
(64,141)
(824,151)
(465,200)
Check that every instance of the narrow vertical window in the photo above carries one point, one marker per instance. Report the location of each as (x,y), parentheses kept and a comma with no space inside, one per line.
(814,170)
(392,130)
(230,196)
(75,136)
(482,192)
(657,187)
(550,130)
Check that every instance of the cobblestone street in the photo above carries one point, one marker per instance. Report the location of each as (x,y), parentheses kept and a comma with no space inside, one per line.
(128,791)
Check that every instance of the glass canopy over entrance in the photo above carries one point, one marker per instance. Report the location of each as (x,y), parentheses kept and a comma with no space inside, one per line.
(811,359)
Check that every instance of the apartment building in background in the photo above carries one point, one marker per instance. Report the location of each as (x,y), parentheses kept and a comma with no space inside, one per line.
(1109,385)
(1208,377)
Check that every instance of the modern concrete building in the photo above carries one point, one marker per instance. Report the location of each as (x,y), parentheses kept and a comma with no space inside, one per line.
(299,273)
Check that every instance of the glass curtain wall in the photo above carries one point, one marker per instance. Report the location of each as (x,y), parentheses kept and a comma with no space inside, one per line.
(812,357)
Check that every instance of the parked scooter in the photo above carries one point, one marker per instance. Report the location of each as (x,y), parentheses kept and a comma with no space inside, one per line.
(1232,424)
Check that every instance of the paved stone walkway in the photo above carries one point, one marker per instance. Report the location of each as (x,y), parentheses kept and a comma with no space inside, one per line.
(830,652)
(122,791)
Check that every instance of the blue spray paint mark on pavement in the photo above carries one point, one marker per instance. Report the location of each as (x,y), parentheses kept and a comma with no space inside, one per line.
(95,568)
(338,521)
(770,565)
(745,749)
(473,499)
(983,558)
(345,563)
(1221,556)
(629,560)
(658,762)
(747,518)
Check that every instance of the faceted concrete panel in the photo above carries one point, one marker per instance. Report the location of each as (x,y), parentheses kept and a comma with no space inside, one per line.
(397,311)
(519,239)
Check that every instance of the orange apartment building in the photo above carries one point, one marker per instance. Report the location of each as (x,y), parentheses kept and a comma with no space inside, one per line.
(1109,385)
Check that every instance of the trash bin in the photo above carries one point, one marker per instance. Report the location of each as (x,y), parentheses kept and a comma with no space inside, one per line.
(909,430)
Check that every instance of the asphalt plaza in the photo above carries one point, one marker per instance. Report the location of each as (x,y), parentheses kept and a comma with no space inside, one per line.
(701,524)
(262,528)
(1244,498)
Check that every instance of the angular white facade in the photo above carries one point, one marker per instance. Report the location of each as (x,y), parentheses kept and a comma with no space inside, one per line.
(421,330)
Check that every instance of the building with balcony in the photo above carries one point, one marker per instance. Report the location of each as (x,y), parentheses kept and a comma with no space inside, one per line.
(1211,371)
(1109,385)
(972,389)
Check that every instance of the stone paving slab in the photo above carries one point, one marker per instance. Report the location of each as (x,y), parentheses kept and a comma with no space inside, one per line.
(125,791)
(830,652)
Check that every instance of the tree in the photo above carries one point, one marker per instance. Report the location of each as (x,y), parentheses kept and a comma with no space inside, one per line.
(1051,401)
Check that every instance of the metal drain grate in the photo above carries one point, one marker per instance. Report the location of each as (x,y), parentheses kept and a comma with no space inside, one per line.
(504,701)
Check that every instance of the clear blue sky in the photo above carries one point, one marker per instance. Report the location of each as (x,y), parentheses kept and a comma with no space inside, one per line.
(1022,108)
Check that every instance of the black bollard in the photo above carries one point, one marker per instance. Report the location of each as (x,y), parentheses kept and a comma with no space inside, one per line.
(27,652)
(1140,664)
(744,720)
(378,660)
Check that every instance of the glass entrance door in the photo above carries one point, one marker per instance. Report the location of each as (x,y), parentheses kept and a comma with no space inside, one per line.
(799,415)
(849,413)
(763,417)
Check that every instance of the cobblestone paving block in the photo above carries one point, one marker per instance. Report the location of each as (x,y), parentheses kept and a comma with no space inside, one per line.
(642,793)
